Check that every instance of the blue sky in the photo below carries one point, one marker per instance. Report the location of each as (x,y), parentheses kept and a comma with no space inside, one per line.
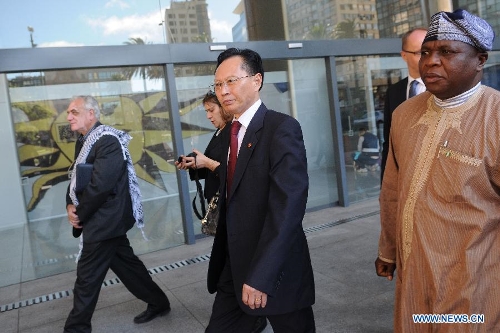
(97,22)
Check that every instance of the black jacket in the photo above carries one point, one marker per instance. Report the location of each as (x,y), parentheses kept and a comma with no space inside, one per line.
(396,94)
(213,151)
(261,224)
(105,206)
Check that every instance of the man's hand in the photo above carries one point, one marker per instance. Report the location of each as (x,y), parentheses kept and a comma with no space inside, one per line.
(253,298)
(385,269)
(72,217)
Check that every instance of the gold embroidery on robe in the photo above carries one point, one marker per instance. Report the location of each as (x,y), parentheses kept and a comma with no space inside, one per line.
(437,121)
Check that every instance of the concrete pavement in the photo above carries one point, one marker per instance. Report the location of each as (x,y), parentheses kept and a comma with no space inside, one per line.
(349,295)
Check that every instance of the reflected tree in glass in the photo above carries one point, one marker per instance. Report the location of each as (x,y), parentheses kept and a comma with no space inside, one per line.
(145,72)
(345,29)
(203,38)
(319,32)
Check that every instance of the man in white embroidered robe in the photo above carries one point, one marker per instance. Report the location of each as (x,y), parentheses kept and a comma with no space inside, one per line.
(440,197)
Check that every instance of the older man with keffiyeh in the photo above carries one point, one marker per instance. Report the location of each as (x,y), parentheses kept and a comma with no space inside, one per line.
(440,197)
(101,214)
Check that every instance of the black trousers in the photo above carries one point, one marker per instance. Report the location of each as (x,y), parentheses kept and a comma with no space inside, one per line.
(228,317)
(95,260)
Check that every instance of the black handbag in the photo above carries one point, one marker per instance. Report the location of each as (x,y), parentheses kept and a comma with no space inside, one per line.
(209,222)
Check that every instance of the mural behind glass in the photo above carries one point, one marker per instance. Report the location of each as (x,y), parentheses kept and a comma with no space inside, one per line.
(45,142)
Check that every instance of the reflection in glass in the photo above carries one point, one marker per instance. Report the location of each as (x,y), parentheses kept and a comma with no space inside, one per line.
(362,83)
(207,21)
(132,100)
(330,20)
(297,88)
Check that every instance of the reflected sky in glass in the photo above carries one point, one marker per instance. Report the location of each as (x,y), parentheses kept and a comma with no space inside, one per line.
(61,23)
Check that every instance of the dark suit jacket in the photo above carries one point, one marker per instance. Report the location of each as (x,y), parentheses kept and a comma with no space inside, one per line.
(213,151)
(105,206)
(396,94)
(261,224)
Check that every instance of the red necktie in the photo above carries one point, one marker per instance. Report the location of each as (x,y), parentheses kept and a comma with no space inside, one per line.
(233,153)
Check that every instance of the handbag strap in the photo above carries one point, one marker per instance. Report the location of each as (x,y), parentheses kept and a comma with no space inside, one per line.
(199,193)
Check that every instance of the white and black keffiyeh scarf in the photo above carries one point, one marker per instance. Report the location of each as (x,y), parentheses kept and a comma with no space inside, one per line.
(135,193)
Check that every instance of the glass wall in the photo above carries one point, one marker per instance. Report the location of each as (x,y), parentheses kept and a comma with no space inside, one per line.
(297,88)
(217,21)
(309,104)
(117,22)
(160,106)
(362,83)
(45,147)
(139,105)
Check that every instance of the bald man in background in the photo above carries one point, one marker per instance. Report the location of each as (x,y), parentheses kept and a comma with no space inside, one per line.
(401,90)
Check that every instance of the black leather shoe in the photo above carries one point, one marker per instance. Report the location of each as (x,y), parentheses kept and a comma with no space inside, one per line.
(151,314)
(260,325)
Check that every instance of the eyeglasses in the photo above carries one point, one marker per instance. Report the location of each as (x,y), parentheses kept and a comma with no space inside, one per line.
(229,82)
(417,53)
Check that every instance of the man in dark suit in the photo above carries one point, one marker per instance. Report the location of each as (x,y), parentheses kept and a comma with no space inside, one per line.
(260,263)
(402,90)
(101,214)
